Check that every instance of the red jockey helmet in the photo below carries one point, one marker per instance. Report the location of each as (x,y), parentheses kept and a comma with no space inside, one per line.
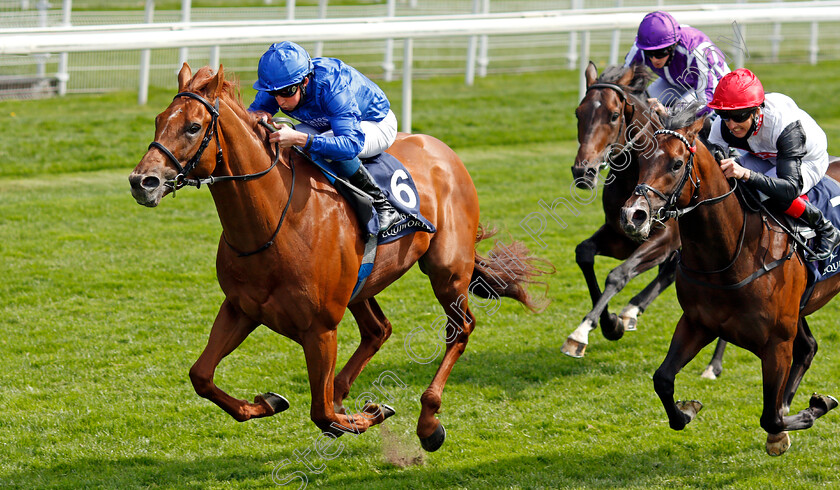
(739,89)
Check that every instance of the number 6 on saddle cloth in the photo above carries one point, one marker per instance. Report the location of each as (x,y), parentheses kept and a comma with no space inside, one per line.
(397,185)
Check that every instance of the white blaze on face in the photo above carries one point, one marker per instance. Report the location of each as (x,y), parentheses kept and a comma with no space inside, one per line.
(169,119)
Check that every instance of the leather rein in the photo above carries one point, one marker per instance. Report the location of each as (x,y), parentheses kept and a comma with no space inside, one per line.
(212,132)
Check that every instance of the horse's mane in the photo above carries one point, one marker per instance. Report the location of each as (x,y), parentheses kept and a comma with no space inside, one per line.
(202,78)
(641,77)
(681,115)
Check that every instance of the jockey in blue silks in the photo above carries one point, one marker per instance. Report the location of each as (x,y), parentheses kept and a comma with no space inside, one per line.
(689,65)
(344,116)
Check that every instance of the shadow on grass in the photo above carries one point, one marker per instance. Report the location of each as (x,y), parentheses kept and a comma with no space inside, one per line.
(145,472)
(644,469)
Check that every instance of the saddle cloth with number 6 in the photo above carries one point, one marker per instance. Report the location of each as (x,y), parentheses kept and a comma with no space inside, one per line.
(396,183)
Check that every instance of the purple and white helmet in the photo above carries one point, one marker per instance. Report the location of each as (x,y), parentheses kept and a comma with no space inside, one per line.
(658,30)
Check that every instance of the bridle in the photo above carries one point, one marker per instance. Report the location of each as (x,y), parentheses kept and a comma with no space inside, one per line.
(670,209)
(622,95)
(211,133)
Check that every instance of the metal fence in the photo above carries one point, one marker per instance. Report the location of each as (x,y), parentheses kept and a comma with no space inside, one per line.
(35,75)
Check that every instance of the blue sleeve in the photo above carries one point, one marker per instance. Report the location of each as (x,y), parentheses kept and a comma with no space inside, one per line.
(345,116)
(264,102)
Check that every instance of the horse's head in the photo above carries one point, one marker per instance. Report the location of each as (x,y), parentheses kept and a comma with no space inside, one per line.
(603,117)
(664,173)
(183,131)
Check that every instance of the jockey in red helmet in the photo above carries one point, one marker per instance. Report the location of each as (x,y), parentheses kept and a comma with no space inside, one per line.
(784,151)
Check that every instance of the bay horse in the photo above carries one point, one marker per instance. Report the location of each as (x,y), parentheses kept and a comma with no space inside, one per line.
(303,248)
(615,124)
(740,278)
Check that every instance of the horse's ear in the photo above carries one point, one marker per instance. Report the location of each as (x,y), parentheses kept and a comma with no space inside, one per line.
(216,83)
(695,128)
(627,77)
(591,74)
(184,77)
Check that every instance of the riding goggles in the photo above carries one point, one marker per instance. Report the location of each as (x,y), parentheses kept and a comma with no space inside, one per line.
(659,53)
(285,92)
(737,116)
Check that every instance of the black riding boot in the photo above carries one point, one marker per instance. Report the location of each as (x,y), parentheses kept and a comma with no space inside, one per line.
(827,235)
(388,216)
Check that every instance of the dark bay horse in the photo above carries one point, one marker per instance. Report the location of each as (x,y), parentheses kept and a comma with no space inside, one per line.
(615,125)
(739,278)
(304,248)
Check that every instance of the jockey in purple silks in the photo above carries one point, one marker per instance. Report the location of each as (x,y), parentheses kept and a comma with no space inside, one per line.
(689,65)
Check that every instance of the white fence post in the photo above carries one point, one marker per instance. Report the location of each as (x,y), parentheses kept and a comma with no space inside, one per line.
(145,58)
(584,62)
(184,53)
(815,46)
(290,9)
(615,41)
(43,6)
(776,39)
(572,55)
(63,74)
(739,54)
(408,61)
(214,58)
(472,47)
(388,62)
(322,14)
(483,60)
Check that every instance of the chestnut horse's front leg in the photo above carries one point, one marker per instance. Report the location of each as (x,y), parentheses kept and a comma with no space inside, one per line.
(230,328)
(687,341)
(374,329)
(319,348)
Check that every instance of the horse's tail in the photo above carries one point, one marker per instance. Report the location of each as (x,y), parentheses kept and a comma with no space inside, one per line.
(507,271)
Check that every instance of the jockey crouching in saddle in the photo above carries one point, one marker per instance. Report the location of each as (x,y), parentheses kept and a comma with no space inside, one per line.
(688,64)
(344,116)
(784,151)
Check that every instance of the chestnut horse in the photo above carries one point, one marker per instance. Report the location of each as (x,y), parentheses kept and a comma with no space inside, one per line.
(303,248)
(615,124)
(740,278)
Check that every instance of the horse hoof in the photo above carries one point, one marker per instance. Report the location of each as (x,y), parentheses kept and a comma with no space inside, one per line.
(777,444)
(434,441)
(629,317)
(573,348)
(709,373)
(689,408)
(275,401)
(822,402)
(387,411)
(613,331)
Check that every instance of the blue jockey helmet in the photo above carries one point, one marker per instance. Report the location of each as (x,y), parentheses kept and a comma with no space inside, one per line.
(658,30)
(284,64)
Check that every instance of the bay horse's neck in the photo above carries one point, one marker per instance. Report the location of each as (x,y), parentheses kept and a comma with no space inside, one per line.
(248,211)
(711,233)
(637,135)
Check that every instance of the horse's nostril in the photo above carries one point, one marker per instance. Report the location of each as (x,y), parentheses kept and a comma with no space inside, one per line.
(639,216)
(150,183)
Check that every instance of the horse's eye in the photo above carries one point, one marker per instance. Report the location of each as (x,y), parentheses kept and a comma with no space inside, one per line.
(677,165)
(614,117)
(194,128)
